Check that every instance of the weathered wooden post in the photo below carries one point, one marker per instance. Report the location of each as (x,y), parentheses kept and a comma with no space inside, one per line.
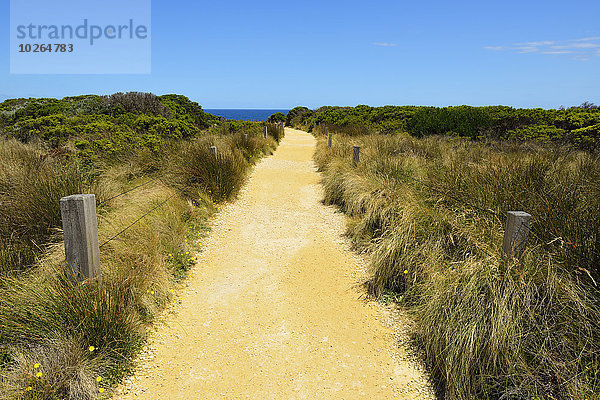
(245,138)
(80,227)
(515,233)
(265,131)
(356,156)
(213,150)
(329,138)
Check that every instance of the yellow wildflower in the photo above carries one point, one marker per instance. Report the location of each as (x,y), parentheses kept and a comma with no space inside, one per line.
(91,348)
(406,271)
(152,292)
(36,365)
(29,388)
(98,379)
(39,374)
(101,390)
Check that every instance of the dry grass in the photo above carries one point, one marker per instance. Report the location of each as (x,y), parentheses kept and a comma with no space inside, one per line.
(490,328)
(31,183)
(45,319)
(48,320)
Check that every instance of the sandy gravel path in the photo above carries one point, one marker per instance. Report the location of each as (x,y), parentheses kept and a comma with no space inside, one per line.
(273,309)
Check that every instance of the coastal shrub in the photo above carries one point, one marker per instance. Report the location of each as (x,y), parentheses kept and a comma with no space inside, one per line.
(574,126)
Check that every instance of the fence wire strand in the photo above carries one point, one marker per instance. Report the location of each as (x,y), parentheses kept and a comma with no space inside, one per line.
(443,193)
(132,189)
(538,235)
(136,221)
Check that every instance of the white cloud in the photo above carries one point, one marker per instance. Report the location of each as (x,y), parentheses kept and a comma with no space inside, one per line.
(384,44)
(577,46)
(594,38)
(579,49)
(557,52)
(527,49)
(543,43)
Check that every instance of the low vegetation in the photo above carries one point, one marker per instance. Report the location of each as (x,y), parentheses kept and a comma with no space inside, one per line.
(60,340)
(430,211)
(575,126)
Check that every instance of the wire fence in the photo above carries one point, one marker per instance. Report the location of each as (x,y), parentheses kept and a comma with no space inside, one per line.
(132,189)
(80,223)
(136,221)
(546,237)
(140,218)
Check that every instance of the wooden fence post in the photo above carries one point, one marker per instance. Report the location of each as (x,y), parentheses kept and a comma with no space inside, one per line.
(356,156)
(265,131)
(515,233)
(80,227)
(245,138)
(213,150)
(329,139)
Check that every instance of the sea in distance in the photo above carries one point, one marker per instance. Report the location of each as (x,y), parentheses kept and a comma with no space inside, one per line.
(244,114)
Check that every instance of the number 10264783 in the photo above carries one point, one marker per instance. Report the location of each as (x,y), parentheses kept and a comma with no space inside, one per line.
(46,48)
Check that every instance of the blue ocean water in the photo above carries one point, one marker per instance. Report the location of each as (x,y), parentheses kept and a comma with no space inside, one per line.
(244,115)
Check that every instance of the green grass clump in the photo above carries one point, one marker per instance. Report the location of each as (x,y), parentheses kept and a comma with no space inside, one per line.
(31,185)
(275,132)
(196,169)
(47,319)
(490,328)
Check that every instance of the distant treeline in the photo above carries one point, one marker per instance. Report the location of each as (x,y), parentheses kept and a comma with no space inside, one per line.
(579,126)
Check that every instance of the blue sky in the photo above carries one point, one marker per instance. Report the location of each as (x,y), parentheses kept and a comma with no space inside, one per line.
(268,54)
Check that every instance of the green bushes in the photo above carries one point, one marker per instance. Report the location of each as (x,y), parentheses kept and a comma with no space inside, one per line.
(276,118)
(490,328)
(113,125)
(298,116)
(577,126)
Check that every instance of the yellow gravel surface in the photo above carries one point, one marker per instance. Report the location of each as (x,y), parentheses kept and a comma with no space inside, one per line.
(274,308)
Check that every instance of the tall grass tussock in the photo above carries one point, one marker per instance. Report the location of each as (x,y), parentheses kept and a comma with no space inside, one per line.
(31,183)
(431,214)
